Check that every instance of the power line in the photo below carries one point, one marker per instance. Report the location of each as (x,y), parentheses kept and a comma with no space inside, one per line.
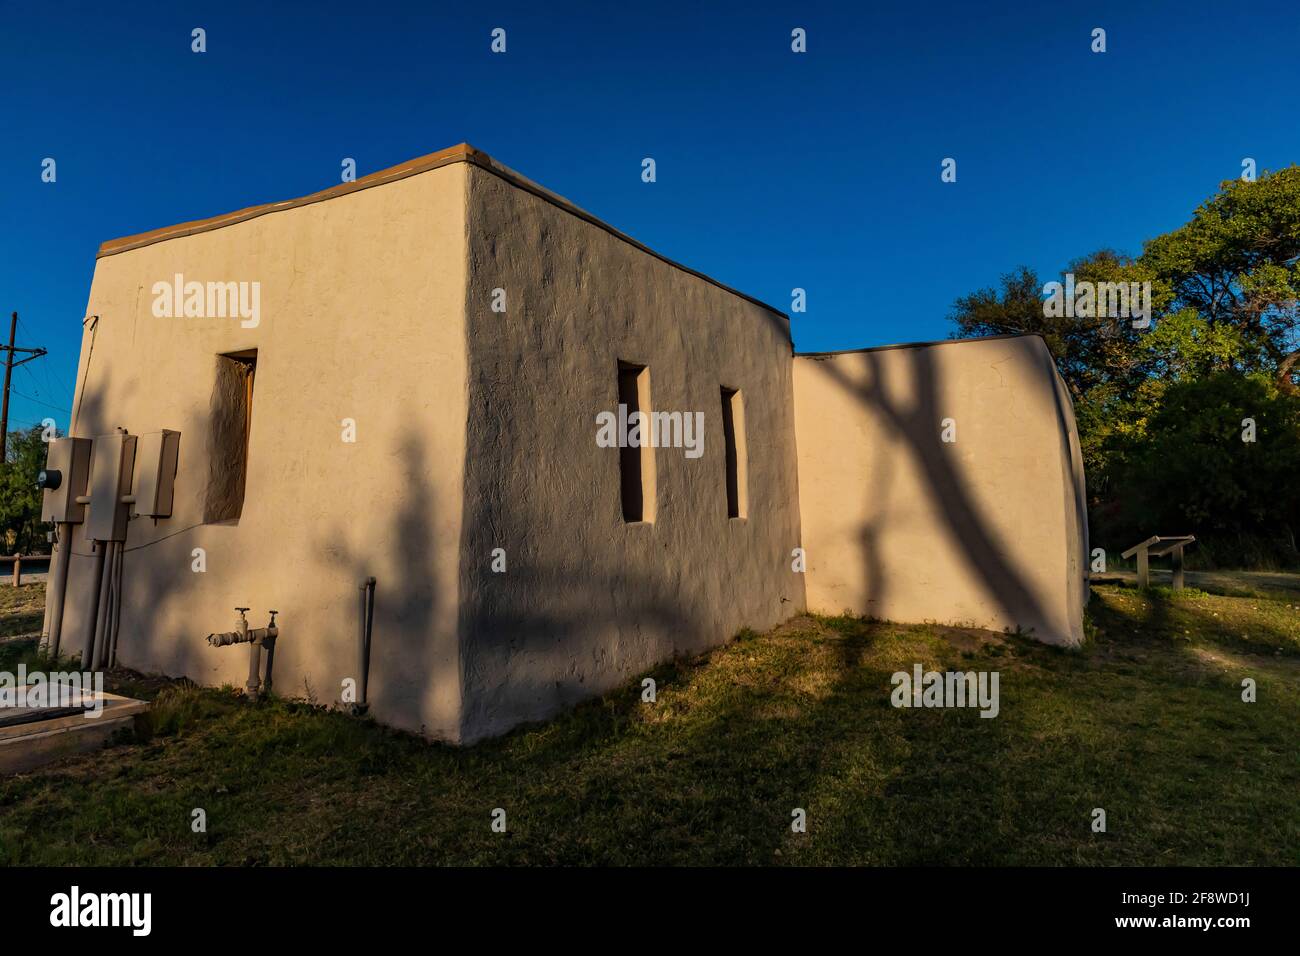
(41,390)
(56,384)
(57,408)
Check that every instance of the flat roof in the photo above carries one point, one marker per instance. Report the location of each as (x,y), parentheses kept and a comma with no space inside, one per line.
(461,153)
(921,345)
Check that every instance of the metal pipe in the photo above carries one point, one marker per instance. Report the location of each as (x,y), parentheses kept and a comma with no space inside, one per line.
(88,651)
(365,630)
(370,625)
(117,604)
(267,639)
(256,638)
(254,653)
(106,607)
(105,599)
(363,659)
(226,638)
(61,559)
(254,669)
(270,663)
(252,635)
(105,630)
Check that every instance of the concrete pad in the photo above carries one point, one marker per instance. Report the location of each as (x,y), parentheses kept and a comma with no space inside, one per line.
(33,736)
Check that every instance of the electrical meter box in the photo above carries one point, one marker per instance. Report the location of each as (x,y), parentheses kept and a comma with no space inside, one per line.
(111,463)
(155,473)
(63,480)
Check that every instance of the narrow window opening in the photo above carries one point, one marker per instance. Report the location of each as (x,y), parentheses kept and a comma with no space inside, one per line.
(635,462)
(231,425)
(733,433)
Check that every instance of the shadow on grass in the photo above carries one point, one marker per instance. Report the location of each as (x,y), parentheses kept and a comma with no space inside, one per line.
(710,772)
(1255,624)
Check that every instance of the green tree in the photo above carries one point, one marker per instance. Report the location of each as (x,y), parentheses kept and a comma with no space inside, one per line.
(1101,358)
(1089,350)
(20,500)
(1217,457)
(1159,401)
(1236,263)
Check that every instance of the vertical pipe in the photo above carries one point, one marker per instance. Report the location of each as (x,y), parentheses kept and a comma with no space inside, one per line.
(117,604)
(370,630)
(110,608)
(88,651)
(60,560)
(110,632)
(105,607)
(254,669)
(270,665)
(365,627)
(363,652)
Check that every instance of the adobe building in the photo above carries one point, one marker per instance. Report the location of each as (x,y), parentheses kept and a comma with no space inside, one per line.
(402,378)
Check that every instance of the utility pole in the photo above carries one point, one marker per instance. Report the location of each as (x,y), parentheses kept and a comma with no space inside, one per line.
(10,365)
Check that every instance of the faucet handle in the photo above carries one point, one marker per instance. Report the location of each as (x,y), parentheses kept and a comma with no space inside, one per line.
(273,614)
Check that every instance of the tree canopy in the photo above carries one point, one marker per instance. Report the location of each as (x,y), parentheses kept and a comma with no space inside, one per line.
(20,500)
(1161,406)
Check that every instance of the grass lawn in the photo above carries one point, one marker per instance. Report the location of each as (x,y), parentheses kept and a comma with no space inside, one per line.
(22,611)
(1145,721)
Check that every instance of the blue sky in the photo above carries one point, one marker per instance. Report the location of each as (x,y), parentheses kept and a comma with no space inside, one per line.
(775,170)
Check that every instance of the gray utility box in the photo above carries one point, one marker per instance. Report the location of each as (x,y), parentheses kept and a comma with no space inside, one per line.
(111,464)
(155,473)
(67,466)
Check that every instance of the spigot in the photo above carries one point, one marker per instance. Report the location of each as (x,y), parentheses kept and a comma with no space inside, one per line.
(257,638)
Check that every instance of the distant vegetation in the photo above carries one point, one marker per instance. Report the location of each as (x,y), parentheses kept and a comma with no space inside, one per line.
(1163,409)
(20,501)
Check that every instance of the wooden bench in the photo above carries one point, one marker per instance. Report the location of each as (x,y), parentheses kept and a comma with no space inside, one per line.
(1157,546)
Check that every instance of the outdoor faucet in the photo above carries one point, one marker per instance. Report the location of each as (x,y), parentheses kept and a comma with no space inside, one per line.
(256,638)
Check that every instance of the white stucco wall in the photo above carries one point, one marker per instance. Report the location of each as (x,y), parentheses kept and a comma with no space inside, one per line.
(988,530)
(476,431)
(589,600)
(362,317)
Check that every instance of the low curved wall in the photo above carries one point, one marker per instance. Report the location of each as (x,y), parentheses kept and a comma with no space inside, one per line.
(943,482)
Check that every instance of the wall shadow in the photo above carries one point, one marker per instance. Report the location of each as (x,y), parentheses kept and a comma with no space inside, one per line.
(916,427)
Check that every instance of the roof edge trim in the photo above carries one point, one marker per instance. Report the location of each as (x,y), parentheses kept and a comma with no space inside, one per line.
(920,345)
(461,153)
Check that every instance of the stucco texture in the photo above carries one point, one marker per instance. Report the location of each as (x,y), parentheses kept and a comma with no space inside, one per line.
(589,600)
(987,530)
(510,584)
(362,317)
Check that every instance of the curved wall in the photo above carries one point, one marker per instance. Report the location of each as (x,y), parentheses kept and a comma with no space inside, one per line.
(987,529)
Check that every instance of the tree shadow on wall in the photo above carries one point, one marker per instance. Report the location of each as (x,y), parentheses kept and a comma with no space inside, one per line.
(916,428)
